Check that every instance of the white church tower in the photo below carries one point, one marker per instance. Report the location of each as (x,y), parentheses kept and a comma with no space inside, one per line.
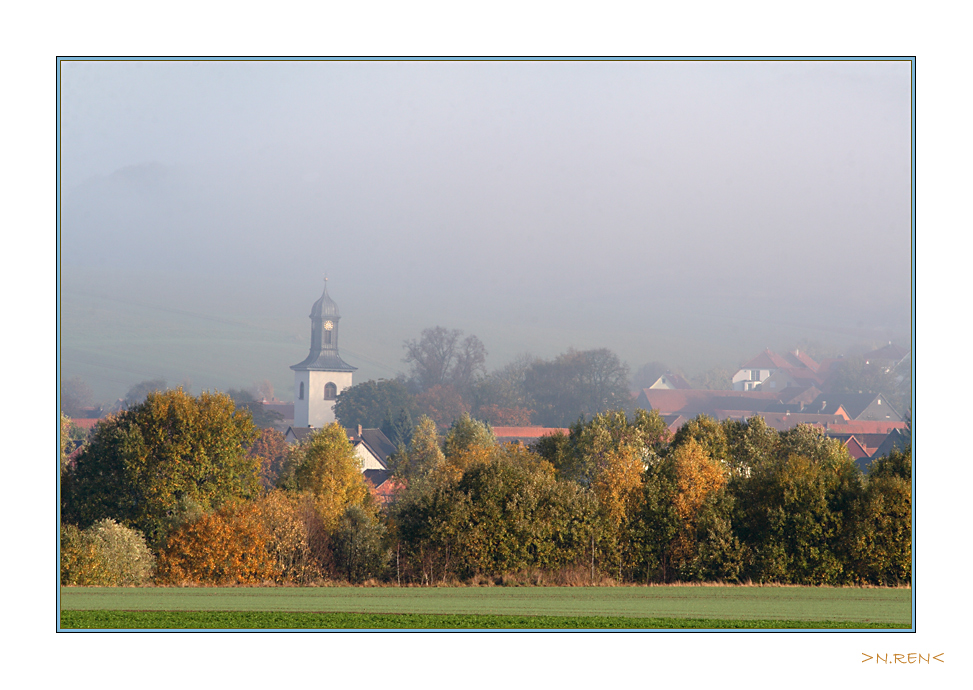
(320,377)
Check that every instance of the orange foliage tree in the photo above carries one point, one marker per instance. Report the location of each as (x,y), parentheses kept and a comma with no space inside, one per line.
(225,547)
(271,450)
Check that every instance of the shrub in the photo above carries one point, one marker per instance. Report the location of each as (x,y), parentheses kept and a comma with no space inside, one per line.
(106,554)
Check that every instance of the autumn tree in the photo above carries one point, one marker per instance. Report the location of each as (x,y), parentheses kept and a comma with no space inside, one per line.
(442,404)
(617,486)
(143,463)
(325,464)
(645,432)
(297,538)
(228,546)
(270,449)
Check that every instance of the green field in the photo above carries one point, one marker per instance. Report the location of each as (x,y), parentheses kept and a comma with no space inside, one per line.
(586,607)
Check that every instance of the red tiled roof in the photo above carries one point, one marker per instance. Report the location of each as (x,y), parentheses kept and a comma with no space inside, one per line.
(855,449)
(856,428)
(86,423)
(525,431)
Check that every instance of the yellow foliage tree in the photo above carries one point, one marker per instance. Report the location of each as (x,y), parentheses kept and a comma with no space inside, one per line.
(618,487)
(328,468)
(697,476)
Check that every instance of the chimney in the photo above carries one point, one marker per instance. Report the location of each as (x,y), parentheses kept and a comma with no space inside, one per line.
(359,431)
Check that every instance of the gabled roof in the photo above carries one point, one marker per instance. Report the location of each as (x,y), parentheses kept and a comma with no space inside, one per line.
(801,360)
(895,440)
(671,381)
(855,449)
(798,394)
(373,439)
(376,440)
(890,353)
(855,404)
(768,359)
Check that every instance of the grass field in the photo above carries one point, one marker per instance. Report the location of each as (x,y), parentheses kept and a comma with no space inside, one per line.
(487,607)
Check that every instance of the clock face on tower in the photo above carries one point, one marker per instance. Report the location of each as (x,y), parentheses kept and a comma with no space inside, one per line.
(328,325)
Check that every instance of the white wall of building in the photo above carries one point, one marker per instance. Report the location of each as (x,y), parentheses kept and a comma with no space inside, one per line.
(313,409)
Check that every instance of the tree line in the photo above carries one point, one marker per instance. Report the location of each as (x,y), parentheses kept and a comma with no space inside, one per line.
(191,482)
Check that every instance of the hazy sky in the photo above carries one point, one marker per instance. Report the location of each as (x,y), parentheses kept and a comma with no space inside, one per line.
(687,212)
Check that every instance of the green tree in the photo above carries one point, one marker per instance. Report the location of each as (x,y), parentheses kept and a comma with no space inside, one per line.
(142,462)
(749,444)
(577,384)
(359,548)
(399,429)
(371,402)
(881,534)
(424,454)
(794,514)
(140,391)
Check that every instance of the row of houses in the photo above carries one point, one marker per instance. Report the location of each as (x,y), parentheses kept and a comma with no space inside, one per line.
(788,390)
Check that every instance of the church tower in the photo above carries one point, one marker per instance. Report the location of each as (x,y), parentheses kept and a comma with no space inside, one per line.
(320,377)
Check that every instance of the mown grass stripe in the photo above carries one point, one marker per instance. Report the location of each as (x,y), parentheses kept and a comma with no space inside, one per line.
(267,620)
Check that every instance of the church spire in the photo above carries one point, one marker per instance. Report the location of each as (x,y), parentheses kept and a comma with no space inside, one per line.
(323,355)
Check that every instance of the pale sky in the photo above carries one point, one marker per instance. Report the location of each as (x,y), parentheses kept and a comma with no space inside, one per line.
(688,212)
